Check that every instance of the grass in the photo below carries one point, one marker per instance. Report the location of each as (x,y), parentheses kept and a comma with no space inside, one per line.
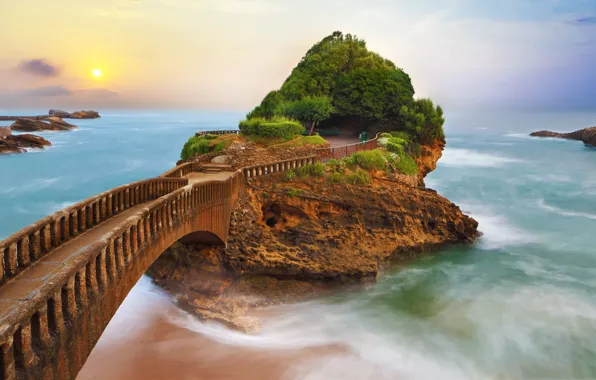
(407,165)
(359,177)
(367,160)
(307,140)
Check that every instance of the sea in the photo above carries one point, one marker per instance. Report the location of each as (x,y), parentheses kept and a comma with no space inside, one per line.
(518,304)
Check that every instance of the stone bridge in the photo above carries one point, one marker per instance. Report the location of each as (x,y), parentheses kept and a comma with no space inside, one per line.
(63,278)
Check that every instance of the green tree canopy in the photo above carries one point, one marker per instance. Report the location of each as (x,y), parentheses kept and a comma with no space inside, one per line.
(340,76)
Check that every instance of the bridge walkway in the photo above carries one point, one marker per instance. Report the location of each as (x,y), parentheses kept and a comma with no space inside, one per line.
(15,294)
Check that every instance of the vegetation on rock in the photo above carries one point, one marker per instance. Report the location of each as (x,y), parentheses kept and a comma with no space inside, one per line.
(197,145)
(340,77)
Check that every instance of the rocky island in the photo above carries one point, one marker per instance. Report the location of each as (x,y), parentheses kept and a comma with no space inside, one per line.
(586,135)
(10,143)
(336,222)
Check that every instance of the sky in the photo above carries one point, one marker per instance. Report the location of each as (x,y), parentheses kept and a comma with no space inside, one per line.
(228,54)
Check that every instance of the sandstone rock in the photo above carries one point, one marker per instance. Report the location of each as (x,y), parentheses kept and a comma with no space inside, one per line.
(586,135)
(17,143)
(49,124)
(227,160)
(27,141)
(5,131)
(287,248)
(6,148)
(84,115)
(58,113)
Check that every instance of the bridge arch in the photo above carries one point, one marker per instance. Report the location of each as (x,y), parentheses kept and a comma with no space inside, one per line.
(55,302)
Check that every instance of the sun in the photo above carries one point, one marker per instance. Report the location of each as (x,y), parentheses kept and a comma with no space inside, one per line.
(97,73)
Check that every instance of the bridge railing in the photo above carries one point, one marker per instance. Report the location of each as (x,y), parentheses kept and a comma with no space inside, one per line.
(347,150)
(32,332)
(182,170)
(219,132)
(18,251)
(277,167)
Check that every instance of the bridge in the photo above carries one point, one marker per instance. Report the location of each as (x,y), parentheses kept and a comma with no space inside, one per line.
(63,278)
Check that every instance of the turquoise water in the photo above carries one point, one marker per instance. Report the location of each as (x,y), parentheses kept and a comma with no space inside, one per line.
(519,304)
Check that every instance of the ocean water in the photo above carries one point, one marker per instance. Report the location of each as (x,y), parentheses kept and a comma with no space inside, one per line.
(518,304)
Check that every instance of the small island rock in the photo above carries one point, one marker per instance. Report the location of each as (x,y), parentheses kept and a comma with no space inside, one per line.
(58,113)
(49,124)
(586,135)
(17,143)
(84,115)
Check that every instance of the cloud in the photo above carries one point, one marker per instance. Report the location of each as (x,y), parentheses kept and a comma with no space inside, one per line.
(40,68)
(590,20)
(98,93)
(48,91)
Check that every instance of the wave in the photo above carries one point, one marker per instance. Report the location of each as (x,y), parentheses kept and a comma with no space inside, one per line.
(542,204)
(466,157)
(37,184)
(498,231)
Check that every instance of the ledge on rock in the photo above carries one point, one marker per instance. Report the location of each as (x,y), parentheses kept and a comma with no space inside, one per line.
(5,131)
(85,115)
(49,124)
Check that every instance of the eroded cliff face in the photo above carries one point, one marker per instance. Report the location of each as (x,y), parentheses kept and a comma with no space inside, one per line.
(429,156)
(289,240)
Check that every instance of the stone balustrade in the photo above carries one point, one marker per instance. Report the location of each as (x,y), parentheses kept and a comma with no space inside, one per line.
(59,288)
(277,167)
(219,132)
(20,250)
(182,170)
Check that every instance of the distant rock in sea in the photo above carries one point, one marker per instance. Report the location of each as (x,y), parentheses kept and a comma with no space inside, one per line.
(5,131)
(58,113)
(586,135)
(10,143)
(85,115)
(49,124)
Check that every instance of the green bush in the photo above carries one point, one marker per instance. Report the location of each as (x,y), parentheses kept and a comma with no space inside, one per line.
(395,148)
(195,145)
(219,147)
(401,135)
(317,169)
(290,175)
(337,165)
(211,137)
(273,127)
(359,177)
(292,193)
(302,172)
(368,160)
(407,165)
(336,177)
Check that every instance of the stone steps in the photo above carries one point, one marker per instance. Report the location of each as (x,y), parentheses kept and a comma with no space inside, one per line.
(216,168)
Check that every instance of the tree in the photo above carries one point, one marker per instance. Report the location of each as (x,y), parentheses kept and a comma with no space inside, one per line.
(311,110)
(373,93)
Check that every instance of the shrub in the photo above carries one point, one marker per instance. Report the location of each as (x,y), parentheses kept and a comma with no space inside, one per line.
(402,135)
(211,136)
(336,177)
(273,127)
(290,175)
(359,177)
(385,135)
(292,193)
(317,169)
(368,160)
(195,145)
(337,165)
(407,165)
(395,148)
(219,147)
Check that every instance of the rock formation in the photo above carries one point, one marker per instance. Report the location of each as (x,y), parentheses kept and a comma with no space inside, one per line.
(58,113)
(5,131)
(49,124)
(290,240)
(586,135)
(84,115)
(17,143)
